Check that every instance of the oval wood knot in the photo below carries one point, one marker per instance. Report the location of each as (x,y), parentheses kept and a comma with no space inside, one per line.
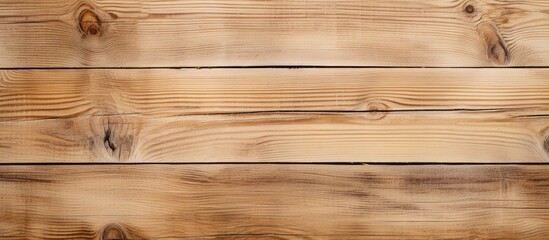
(469,8)
(496,48)
(376,110)
(89,23)
(112,232)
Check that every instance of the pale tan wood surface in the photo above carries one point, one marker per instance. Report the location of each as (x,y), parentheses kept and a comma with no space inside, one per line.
(480,137)
(482,134)
(46,94)
(115,33)
(274,202)
(274,115)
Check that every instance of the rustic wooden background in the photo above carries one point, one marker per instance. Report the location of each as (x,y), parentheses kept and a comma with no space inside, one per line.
(274,119)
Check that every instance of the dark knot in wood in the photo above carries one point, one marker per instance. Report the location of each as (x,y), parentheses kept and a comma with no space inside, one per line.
(469,8)
(112,232)
(89,23)
(117,136)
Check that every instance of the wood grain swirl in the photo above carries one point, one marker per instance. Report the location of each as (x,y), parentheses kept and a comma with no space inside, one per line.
(114,33)
(274,202)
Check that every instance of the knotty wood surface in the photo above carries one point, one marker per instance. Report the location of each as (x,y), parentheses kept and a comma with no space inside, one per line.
(277,119)
(476,137)
(47,94)
(140,33)
(275,202)
(275,115)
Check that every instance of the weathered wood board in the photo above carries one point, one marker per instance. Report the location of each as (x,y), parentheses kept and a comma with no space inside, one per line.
(276,119)
(174,33)
(478,137)
(47,94)
(275,115)
(274,202)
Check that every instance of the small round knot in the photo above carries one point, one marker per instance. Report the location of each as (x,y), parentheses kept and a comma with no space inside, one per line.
(375,110)
(89,23)
(469,8)
(377,107)
(112,232)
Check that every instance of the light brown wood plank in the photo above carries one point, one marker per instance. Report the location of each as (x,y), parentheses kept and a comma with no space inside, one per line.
(454,136)
(46,94)
(275,202)
(274,115)
(106,33)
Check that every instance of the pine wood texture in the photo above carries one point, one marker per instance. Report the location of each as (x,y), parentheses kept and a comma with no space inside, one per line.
(115,33)
(275,115)
(274,202)
(47,94)
(274,119)
(480,137)
(311,137)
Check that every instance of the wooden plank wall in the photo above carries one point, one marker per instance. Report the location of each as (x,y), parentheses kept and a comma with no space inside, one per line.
(277,119)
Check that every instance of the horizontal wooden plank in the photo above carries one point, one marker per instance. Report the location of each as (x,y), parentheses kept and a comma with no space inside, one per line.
(452,136)
(46,94)
(274,115)
(106,33)
(274,202)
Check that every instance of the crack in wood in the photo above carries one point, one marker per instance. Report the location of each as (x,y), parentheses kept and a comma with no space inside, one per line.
(373,110)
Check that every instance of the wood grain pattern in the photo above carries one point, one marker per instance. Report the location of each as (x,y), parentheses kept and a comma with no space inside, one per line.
(274,202)
(107,33)
(46,94)
(274,115)
(274,119)
(498,136)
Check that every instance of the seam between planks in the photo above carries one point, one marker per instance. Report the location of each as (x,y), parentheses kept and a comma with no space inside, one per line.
(276,67)
(285,163)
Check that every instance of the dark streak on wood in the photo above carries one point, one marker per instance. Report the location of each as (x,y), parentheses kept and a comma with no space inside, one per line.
(23,178)
(107,139)
(113,16)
